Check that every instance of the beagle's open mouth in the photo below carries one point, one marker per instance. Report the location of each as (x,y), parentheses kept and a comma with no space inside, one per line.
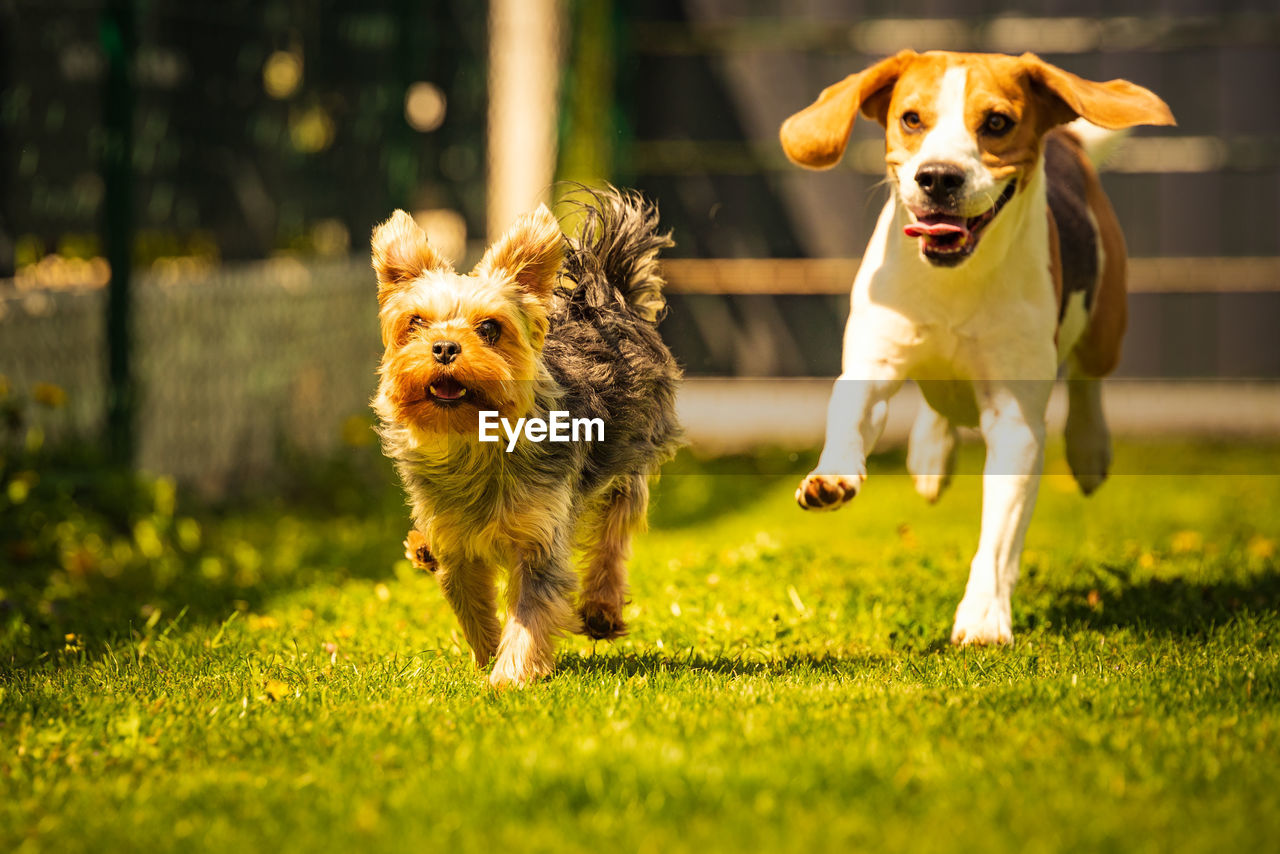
(946,239)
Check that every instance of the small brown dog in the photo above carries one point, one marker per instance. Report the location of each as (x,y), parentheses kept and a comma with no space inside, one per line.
(545,333)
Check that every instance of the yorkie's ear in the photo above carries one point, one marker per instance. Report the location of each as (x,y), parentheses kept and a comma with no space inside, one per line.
(529,253)
(401,254)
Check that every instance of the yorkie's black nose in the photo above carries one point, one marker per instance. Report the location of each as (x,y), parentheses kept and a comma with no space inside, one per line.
(940,180)
(446,351)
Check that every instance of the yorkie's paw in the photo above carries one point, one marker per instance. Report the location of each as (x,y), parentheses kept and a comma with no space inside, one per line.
(509,672)
(524,657)
(601,621)
(417,550)
(828,491)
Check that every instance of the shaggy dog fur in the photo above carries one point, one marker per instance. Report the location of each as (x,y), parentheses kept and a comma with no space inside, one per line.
(544,323)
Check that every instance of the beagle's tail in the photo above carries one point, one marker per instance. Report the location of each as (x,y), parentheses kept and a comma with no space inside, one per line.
(1098,142)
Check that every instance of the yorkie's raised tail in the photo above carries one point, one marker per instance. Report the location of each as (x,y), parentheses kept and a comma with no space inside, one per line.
(615,255)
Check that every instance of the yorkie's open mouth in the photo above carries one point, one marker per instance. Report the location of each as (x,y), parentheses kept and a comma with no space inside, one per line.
(447,391)
(945,239)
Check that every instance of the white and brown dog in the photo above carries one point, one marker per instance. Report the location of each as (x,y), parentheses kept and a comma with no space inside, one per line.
(997,260)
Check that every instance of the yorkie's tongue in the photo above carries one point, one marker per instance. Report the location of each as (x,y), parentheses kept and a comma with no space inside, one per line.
(447,388)
(937,225)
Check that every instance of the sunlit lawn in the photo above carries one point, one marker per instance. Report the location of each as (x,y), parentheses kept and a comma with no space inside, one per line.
(273,677)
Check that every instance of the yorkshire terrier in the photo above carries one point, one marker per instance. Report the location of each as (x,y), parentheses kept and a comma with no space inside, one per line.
(544,324)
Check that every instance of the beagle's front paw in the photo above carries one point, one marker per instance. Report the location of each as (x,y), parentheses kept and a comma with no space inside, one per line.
(984,621)
(828,491)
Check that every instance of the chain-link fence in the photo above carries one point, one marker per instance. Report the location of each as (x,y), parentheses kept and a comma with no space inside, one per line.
(232,365)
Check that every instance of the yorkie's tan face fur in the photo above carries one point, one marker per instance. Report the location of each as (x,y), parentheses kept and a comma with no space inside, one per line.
(457,344)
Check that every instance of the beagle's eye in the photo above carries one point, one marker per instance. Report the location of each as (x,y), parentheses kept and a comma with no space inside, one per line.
(489,330)
(911,120)
(997,124)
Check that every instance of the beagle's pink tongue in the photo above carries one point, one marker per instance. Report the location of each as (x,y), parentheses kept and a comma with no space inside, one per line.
(936,225)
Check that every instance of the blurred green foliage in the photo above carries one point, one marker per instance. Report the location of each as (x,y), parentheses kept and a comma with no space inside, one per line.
(89,551)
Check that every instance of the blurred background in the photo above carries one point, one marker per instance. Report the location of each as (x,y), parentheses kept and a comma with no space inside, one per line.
(187,190)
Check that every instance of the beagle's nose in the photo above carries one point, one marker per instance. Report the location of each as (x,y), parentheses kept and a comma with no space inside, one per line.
(940,180)
(446,351)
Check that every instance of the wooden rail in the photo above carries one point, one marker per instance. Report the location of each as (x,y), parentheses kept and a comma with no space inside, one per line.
(795,276)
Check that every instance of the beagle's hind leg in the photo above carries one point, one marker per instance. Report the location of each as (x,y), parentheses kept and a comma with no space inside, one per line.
(931,452)
(1088,439)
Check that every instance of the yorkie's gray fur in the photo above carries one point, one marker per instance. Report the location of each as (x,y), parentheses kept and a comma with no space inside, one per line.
(543,323)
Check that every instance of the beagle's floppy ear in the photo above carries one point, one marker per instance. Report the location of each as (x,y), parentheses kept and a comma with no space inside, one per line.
(401,254)
(1113,105)
(816,136)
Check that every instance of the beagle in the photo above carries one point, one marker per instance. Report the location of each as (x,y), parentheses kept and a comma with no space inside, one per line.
(997,260)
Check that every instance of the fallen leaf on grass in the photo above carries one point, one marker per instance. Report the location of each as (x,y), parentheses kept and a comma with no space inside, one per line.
(796,602)
(1261,548)
(1187,541)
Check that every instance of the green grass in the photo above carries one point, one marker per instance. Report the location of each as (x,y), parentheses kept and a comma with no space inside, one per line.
(273,677)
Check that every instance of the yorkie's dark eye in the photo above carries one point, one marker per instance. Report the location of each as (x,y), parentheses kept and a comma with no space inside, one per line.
(997,124)
(489,330)
(416,322)
(911,120)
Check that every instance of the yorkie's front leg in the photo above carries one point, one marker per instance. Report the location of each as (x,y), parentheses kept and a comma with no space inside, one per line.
(539,605)
(468,587)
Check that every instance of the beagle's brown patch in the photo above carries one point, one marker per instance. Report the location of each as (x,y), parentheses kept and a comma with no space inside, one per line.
(1098,351)
(1067,180)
